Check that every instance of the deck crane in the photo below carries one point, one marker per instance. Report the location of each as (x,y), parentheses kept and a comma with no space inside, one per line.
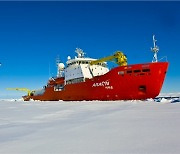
(29,92)
(118,57)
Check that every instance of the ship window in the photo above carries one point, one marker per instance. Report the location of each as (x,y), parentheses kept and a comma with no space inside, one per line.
(146,70)
(129,71)
(104,65)
(77,80)
(121,72)
(142,88)
(137,71)
(58,87)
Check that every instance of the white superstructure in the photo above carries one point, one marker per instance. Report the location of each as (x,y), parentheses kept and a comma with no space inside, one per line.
(79,68)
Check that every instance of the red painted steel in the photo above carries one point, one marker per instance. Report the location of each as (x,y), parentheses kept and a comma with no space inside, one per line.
(139,81)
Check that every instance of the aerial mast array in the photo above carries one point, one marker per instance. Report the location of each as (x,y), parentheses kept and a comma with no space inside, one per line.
(155,49)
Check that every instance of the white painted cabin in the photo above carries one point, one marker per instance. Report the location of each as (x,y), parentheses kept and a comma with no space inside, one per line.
(79,69)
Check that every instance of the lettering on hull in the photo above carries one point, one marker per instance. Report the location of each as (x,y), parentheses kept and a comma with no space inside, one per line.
(105,84)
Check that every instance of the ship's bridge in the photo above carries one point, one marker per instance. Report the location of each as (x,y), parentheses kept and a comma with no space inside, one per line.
(79,69)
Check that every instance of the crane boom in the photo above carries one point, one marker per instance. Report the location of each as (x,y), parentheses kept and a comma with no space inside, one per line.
(119,58)
(21,89)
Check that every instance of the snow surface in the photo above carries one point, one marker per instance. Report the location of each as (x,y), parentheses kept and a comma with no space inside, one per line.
(89,127)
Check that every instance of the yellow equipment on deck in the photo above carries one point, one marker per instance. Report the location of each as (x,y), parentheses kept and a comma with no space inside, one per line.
(21,89)
(119,58)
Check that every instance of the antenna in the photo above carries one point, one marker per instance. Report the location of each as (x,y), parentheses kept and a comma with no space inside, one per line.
(57,63)
(57,60)
(155,49)
(80,53)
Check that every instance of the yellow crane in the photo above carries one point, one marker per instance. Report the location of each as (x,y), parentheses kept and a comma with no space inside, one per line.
(21,89)
(119,58)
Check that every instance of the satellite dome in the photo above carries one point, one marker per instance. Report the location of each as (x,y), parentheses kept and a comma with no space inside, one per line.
(68,57)
(61,66)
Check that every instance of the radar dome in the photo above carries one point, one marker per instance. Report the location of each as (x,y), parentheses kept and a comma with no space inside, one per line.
(68,57)
(61,66)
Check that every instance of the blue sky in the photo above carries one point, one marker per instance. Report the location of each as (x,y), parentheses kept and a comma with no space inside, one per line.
(33,34)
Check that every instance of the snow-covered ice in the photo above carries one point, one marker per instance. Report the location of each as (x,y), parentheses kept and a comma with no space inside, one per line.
(89,127)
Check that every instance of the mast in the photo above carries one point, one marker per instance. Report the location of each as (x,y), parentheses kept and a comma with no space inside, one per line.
(57,63)
(155,49)
(80,53)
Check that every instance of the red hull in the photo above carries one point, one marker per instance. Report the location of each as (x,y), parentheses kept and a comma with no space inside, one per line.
(140,81)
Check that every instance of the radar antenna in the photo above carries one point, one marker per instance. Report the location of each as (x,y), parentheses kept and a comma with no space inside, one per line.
(155,49)
(80,52)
